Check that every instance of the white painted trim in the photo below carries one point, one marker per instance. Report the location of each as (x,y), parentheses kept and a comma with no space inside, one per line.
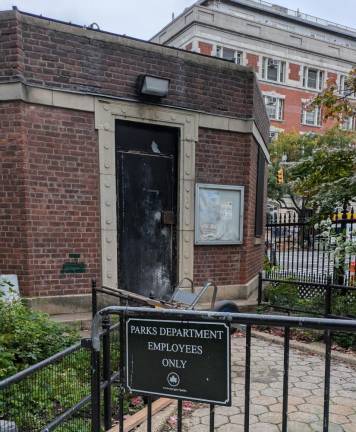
(273,94)
(106,112)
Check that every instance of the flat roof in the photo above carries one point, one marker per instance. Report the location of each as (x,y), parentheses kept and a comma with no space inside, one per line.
(291,15)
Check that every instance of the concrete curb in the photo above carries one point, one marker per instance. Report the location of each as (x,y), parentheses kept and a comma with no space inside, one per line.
(313,348)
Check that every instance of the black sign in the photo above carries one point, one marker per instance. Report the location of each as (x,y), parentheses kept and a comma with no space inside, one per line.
(183,360)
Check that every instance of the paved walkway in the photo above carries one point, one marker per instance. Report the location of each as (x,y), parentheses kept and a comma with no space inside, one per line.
(305,394)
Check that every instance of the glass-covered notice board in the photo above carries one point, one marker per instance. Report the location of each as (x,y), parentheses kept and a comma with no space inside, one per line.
(219,214)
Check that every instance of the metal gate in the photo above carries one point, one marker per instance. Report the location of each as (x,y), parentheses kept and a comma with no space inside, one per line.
(248,320)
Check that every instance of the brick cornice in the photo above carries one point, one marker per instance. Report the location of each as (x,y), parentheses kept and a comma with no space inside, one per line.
(104,36)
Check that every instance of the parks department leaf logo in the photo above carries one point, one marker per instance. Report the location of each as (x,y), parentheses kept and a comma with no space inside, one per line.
(173,379)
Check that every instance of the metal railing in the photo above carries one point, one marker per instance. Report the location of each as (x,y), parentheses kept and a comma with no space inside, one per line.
(296,248)
(249,320)
(308,298)
(300,15)
(55,394)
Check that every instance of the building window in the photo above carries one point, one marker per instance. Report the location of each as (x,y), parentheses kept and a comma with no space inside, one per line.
(260,193)
(230,54)
(311,118)
(274,134)
(348,124)
(313,78)
(274,107)
(273,70)
(343,86)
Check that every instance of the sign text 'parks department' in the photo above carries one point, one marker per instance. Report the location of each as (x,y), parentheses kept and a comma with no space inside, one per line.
(186,360)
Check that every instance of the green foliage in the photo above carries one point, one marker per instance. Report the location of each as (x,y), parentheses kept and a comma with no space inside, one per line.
(27,337)
(319,170)
(283,295)
(286,295)
(38,399)
(336,102)
(267,265)
(327,177)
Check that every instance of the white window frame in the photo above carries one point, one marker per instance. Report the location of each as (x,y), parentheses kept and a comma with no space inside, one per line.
(270,100)
(274,132)
(281,69)
(238,54)
(317,120)
(343,79)
(342,86)
(348,123)
(320,78)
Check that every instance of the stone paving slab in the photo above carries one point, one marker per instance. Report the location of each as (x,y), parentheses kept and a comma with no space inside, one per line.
(306,387)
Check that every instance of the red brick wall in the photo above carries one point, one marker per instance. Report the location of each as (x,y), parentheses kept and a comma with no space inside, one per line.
(294,72)
(63,197)
(229,158)
(14,242)
(205,48)
(252,61)
(189,47)
(68,61)
(332,77)
(292,110)
(55,58)
(10,49)
(54,198)
(50,158)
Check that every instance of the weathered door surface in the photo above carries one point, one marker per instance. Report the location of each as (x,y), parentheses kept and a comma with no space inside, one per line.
(146,163)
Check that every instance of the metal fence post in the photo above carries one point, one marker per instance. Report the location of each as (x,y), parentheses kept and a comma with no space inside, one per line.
(107,373)
(94,299)
(95,390)
(328,297)
(260,288)
(340,270)
(122,373)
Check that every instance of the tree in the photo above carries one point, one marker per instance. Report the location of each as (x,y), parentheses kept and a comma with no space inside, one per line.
(286,150)
(336,100)
(320,170)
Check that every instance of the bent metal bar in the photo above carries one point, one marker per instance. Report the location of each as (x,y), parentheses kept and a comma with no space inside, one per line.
(144,318)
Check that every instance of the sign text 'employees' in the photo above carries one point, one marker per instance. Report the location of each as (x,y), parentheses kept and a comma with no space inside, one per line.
(188,360)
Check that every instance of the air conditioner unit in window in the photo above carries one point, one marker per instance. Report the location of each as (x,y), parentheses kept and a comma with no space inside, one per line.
(273,63)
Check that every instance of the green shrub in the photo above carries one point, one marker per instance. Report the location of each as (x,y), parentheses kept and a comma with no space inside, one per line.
(286,295)
(27,337)
(283,295)
(267,265)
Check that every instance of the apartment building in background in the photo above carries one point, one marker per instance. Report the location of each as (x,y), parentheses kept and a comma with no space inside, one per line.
(292,53)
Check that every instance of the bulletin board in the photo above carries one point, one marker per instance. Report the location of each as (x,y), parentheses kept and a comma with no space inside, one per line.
(218,214)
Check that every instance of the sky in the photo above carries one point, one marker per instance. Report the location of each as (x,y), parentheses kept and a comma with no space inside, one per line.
(144,18)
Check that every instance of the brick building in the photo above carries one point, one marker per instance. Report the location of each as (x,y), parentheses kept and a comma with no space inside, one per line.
(86,162)
(293,54)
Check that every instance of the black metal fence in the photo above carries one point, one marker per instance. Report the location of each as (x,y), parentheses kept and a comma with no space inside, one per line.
(55,394)
(307,298)
(82,389)
(310,250)
(249,320)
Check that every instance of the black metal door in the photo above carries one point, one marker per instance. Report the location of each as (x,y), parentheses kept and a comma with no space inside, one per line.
(146,162)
